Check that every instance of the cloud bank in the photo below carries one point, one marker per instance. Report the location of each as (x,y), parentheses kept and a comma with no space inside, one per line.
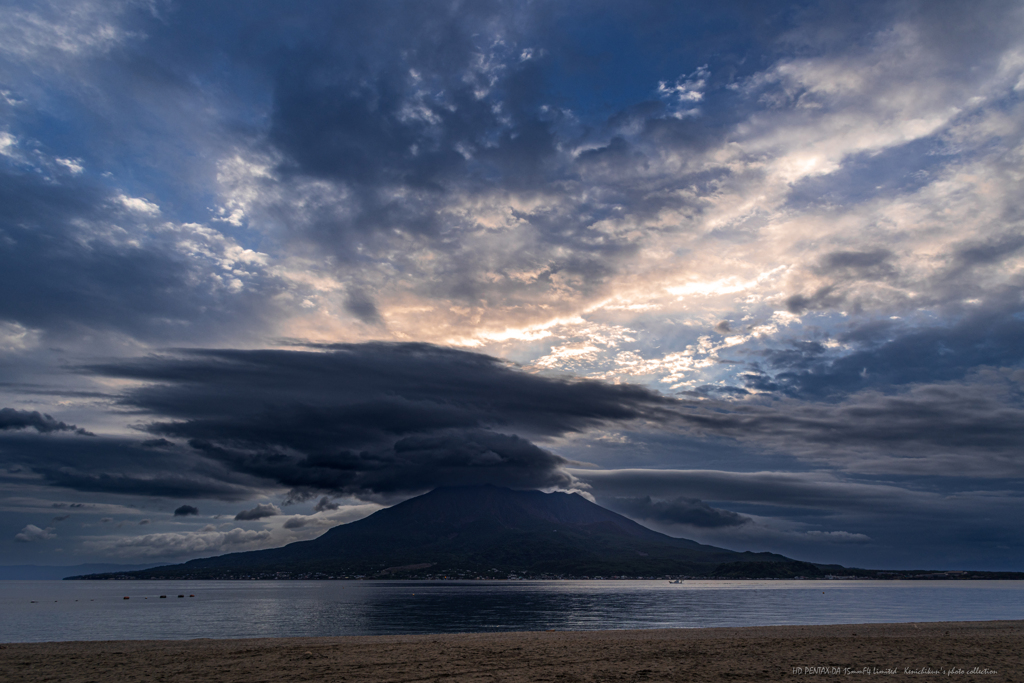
(355,419)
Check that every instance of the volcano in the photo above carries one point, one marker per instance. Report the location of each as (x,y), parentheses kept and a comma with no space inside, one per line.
(487,531)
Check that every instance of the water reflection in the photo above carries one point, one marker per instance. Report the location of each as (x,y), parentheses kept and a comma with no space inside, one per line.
(230,609)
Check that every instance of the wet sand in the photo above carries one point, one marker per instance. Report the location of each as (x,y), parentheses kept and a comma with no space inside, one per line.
(988,651)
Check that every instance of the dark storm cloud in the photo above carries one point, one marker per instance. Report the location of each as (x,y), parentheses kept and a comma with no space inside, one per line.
(105,464)
(69,266)
(822,297)
(259,512)
(61,280)
(393,106)
(982,253)
(813,490)
(387,126)
(437,94)
(397,113)
(296,523)
(165,485)
(325,504)
(966,525)
(970,427)
(42,423)
(26,389)
(886,354)
(689,511)
(372,418)
(409,465)
(360,305)
(860,265)
(419,462)
(185,511)
(373,389)
(714,390)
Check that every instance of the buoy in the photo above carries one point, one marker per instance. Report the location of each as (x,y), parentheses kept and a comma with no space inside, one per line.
(192,596)
(163,596)
(181,596)
(126,597)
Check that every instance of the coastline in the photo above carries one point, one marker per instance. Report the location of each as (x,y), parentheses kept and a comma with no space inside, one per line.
(983,650)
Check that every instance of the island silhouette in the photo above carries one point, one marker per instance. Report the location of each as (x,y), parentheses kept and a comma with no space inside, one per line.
(494,532)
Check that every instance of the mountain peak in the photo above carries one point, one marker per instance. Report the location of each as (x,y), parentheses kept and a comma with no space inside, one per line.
(506,508)
(487,530)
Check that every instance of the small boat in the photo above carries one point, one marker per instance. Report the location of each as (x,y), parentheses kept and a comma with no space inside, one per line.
(676,581)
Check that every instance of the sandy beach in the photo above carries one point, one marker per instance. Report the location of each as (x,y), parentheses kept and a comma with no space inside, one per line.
(990,651)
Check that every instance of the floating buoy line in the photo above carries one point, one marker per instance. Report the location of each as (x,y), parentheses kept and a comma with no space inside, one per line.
(127,597)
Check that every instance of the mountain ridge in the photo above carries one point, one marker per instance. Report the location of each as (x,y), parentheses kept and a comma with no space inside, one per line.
(485,531)
(50,572)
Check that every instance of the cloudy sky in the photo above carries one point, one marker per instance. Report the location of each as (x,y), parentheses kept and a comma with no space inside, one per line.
(751,273)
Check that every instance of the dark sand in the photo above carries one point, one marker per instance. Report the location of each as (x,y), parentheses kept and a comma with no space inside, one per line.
(880,652)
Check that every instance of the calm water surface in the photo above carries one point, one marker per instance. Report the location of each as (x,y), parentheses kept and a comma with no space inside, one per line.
(96,610)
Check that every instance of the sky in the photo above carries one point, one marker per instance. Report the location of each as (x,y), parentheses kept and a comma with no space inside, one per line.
(750,273)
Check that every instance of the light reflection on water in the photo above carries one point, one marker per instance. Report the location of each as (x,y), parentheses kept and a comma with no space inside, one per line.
(96,610)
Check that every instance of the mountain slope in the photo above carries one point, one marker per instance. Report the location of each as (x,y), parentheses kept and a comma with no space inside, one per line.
(482,530)
(37,572)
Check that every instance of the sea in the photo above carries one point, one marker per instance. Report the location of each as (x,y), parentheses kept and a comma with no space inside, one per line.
(38,611)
